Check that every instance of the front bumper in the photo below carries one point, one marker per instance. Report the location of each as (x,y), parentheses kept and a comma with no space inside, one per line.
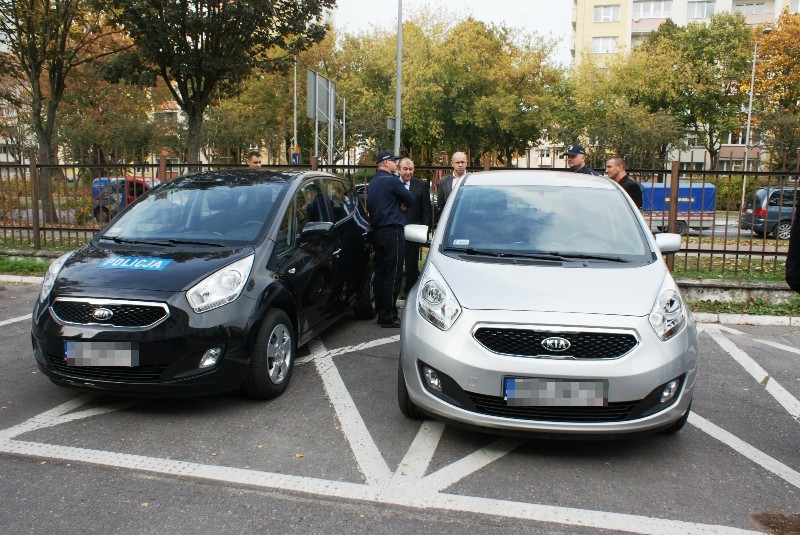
(169,352)
(473,376)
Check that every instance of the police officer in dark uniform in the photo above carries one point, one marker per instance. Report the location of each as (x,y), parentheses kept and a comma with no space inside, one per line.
(385,194)
(576,161)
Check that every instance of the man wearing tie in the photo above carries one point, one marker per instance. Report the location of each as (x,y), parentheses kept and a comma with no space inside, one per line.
(419,214)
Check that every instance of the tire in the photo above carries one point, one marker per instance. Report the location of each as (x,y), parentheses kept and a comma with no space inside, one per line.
(407,406)
(782,230)
(679,423)
(365,306)
(271,358)
(682,228)
(102,216)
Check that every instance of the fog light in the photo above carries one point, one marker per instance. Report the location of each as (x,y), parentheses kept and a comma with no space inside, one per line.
(669,391)
(432,378)
(210,357)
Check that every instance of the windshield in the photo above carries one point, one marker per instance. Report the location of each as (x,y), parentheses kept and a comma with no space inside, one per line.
(541,221)
(218,211)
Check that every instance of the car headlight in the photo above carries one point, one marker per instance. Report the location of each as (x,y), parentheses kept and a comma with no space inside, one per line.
(220,287)
(435,300)
(668,315)
(52,274)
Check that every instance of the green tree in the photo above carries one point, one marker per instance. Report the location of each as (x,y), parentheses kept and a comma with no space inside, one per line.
(696,73)
(46,40)
(778,90)
(200,48)
(103,123)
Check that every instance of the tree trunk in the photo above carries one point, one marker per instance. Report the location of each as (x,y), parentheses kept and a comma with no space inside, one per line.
(193,139)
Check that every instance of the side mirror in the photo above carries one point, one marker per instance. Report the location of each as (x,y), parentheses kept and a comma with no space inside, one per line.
(668,243)
(316,228)
(417,234)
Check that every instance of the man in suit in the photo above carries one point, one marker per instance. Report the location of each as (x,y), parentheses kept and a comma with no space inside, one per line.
(459,162)
(418,214)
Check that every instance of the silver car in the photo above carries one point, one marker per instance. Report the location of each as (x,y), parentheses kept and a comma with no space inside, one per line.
(545,307)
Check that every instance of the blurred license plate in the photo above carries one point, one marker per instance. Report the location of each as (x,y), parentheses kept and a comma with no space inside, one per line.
(535,392)
(101,354)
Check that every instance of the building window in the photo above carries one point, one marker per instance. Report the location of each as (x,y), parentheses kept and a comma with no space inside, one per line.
(652,9)
(700,10)
(749,8)
(604,45)
(606,13)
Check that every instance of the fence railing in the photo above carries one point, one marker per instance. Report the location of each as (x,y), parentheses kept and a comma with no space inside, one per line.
(703,206)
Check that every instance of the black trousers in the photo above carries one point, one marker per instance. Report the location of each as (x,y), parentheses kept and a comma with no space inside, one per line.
(389,245)
(412,266)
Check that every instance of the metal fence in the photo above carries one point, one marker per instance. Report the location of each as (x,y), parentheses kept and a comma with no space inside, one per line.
(704,206)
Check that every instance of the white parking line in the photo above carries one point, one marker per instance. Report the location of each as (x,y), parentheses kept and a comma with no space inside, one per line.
(781,395)
(409,486)
(15,320)
(760,458)
(369,458)
(778,346)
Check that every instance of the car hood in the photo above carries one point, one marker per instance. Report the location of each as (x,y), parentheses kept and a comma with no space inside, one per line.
(617,290)
(99,271)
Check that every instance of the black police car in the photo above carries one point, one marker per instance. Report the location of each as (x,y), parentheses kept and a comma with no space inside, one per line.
(207,283)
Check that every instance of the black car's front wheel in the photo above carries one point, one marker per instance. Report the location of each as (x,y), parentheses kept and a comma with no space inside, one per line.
(365,306)
(272,357)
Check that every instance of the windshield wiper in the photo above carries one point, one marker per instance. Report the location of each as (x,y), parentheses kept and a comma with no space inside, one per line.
(117,239)
(555,256)
(195,242)
(577,256)
(471,251)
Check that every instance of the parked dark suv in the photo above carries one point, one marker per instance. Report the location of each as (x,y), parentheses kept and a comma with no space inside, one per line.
(206,283)
(768,211)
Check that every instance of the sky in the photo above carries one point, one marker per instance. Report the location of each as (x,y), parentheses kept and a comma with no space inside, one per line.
(546,17)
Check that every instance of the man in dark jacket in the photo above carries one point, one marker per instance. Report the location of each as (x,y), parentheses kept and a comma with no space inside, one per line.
(419,214)
(459,162)
(576,160)
(615,169)
(793,256)
(385,194)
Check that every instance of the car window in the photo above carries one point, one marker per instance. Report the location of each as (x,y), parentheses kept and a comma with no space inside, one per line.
(789,198)
(539,219)
(286,232)
(774,198)
(311,203)
(343,198)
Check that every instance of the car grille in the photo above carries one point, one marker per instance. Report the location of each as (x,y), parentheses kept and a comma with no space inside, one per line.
(496,406)
(137,314)
(108,373)
(528,343)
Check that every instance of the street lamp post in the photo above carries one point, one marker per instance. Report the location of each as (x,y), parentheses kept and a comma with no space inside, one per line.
(398,121)
(750,114)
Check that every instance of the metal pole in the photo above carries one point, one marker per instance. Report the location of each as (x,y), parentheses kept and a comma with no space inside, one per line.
(749,116)
(294,139)
(398,90)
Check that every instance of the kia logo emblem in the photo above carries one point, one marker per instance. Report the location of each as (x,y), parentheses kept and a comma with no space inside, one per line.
(556,344)
(102,314)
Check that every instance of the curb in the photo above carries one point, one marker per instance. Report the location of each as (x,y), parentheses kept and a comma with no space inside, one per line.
(699,317)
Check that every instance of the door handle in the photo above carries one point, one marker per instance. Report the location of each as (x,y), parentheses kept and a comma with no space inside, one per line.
(336,252)
(292,271)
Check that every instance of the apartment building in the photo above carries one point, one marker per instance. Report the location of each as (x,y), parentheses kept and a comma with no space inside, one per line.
(601,27)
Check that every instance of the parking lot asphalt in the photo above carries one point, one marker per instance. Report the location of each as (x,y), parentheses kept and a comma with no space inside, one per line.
(335,455)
